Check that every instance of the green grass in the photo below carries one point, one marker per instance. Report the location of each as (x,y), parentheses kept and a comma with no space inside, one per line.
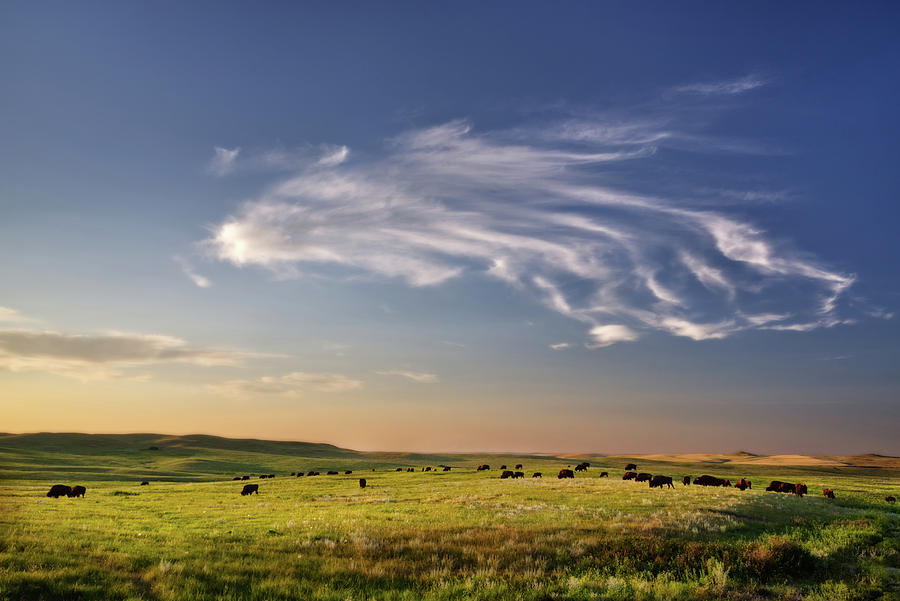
(445,535)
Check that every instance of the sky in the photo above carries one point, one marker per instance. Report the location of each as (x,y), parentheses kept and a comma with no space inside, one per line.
(589,227)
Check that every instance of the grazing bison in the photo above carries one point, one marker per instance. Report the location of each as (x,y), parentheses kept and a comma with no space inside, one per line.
(891,499)
(630,466)
(506,474)
(332,473)
(348,471)
(502,467)
(446,468)
(582,467)
(399,469)
(245,477)
(293,473)
(686,481)
(77,491)
(249,489)
(660,481)
(604,475)
(828,493)
(629,476)
(362,482)
(481,468)
(145,483)
(59,490)
(565,473)
(312,473)
(519,475)
(742,484)
(410,469)
(779,486)
(711,481)
(800,489)
(236,478)
(643,477)
(537,475)
(299,474)
(427,469)
(518,466)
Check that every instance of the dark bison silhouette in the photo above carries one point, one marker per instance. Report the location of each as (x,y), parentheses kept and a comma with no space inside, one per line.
(312,473)
(537,475)
(59,490)
(660,481)
(348,471)
(236,478)
(800,489)
(506,474)
(604,475)
(828,493)
(706,480)
(631,466)
(565,473)
(332,473)
(410,469)
(519,475)
(77,491)
(787,487)
(446,468)
(399,469)
(582,467)
(483,467)
(249,489)
(518,466)
(643,477)
(686,480)
(362,482)
(145,483)
(299,474)
(891,499)
(245,477)
(502,467)
(743,484)
(629,476)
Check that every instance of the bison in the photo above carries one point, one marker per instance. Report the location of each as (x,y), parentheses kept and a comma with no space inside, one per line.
(299,474)
(249,489)
(145,483)
(779,486)
(348,471)
(362,482)
(446,468)
(629,476)
(686,481)
(891,499)
(312,473)
(77,491)
(331,473)
(827,492)
(660,481)
(582,467)
(502,467)
(518,466)
(537,475)
(506,474)
(59,490)
(643,477)
(245,477)
(800,489)
(399,469)
(518,474)
(565,473)
(742,484)
(481,468)
(410,469)
(236,478)
(630,466)
(603,475)
(711,481)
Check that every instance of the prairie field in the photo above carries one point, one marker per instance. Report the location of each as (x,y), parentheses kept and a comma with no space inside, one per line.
(460,534)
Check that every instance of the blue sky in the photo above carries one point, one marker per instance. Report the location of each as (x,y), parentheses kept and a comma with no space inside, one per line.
(412,226)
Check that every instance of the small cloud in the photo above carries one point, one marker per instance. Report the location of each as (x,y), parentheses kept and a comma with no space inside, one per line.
(8,315)
(560,345)
(223,161)
(415,376)
(292,384)
(334,156)
(610,334)
(188,270)
(723,88)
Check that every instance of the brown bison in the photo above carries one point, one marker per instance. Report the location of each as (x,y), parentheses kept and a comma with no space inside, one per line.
(236,478)
(643,477)
(660,481)
(506,474)
(537,475)
(312,473)
(502,467)
(59,490)
(891,499)
(686,481)
(446,468)
(742,484)
(399,469)
(827,492)
(711,481)
(362,482)
(603,475)
(779,486)
(630,466)
(565,473)
(245,477)
(410,469)
(145,483)
(519,475)
(77,491)
(582,467)
(249,489)
(800,489)
(299,474)
(348,471)
(629,476)
(481,468)
(518,466)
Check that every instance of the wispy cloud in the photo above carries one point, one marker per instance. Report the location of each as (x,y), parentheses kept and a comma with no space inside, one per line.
(724,87)
(100,356)
(188,270)
(533,207)
(292,384)
(8,315)
(415,376)
(334,156)
(223,160)
(560,346)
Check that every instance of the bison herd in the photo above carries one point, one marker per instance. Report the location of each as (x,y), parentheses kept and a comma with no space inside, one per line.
(63,490)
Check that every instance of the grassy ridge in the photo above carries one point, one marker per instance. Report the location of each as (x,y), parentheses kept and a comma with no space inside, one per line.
(426,535)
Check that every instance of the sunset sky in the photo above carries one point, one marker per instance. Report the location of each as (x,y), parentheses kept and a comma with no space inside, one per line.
(545,227)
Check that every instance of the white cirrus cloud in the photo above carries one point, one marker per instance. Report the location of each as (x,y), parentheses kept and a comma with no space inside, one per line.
(199,280)
(415,376)
(728,87)
(560,346)
(291,384)
(538,208)
(100,356)
(223,160)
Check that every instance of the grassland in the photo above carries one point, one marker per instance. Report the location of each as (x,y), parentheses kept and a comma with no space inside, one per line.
(431,535)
